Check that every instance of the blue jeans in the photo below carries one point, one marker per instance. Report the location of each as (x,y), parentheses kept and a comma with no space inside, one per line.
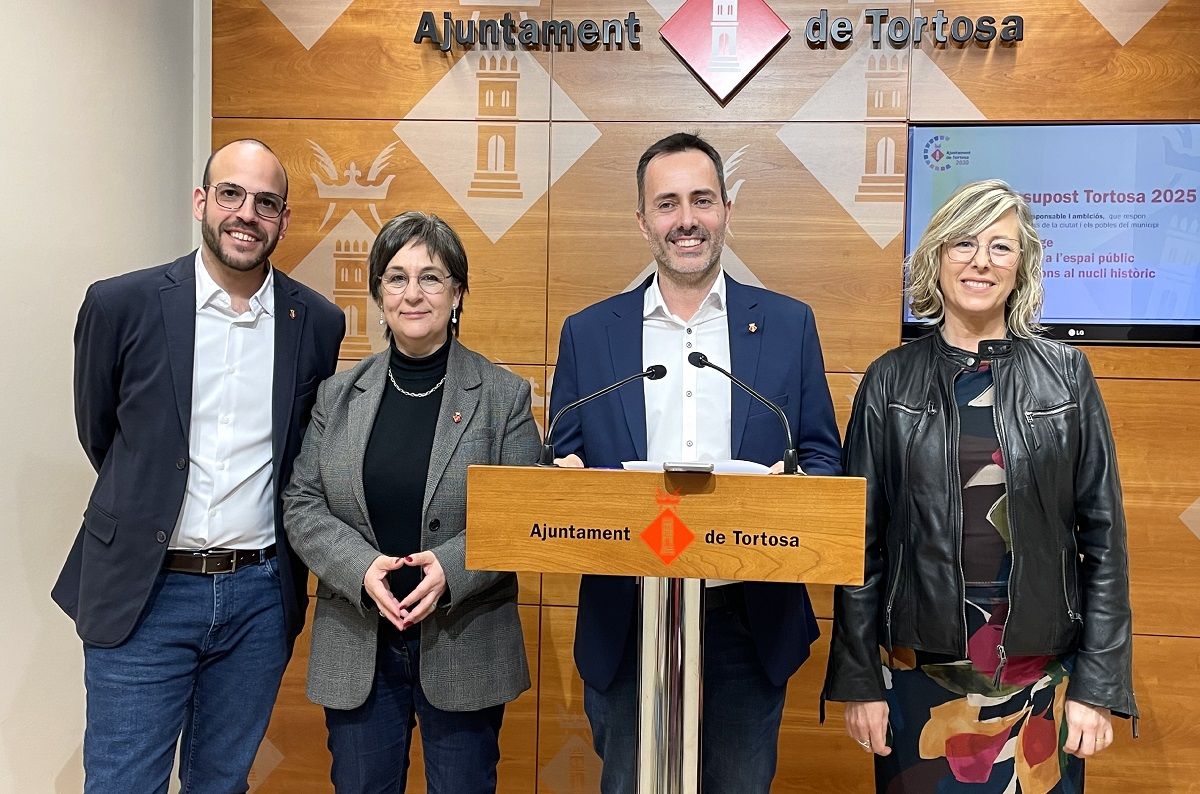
(204,660)
(742,713)
(370,743)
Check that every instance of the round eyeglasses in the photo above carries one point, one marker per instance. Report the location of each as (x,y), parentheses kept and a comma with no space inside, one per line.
(430,283)
(1001,253)
(232,197)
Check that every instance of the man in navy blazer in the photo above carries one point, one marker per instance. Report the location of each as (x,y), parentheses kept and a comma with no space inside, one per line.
(756,634)
(193,386)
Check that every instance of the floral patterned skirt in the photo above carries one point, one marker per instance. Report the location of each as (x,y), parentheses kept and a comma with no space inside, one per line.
(954,731)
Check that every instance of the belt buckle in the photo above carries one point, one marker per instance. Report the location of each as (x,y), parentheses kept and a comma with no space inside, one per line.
(210,556)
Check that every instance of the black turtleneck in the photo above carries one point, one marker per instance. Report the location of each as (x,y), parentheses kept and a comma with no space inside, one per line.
(396,463)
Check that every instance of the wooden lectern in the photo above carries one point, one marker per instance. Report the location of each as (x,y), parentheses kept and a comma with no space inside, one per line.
(683,527)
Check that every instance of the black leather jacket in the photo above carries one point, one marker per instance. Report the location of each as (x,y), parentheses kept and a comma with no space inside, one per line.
(1069,588)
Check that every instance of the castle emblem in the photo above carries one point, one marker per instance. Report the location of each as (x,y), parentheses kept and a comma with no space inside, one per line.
(350,253)
(667,536)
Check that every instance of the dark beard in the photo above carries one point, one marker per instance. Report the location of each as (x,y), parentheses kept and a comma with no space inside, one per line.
(212,239)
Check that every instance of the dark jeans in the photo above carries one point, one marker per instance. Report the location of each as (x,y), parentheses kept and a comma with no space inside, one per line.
(370,743)
(205,659)
(742,712)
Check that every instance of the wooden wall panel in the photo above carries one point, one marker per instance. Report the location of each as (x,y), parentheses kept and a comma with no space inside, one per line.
(293,758)
(1071,65)
(540,185)
(312,60)
(1161,480)
(1166,678)
(1145,363)
(566,761)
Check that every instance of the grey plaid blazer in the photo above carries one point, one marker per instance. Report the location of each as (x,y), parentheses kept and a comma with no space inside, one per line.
(472,648)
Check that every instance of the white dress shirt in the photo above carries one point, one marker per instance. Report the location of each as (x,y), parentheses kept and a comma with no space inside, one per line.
(688,410)
(230,497)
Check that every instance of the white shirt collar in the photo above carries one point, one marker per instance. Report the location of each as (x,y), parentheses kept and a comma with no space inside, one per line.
(653,304)
(208,292)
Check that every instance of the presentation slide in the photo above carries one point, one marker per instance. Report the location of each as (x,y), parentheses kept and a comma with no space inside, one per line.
(1116,207)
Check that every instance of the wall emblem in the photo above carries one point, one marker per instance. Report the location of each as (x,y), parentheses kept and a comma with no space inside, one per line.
(860,161)
(724,41)
(497,166)
(337,266)
(350,190)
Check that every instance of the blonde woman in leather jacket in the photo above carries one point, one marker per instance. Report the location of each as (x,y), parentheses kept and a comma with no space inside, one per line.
(991,640)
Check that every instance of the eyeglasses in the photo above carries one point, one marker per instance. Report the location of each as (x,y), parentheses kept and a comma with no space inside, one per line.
(430,283)
(232,197)
(1001,253)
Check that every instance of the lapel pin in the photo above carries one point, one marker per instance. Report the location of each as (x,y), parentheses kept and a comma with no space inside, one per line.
(752,328)
(292,313)
(457,417)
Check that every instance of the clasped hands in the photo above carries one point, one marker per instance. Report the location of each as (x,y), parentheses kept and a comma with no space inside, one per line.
(417,605)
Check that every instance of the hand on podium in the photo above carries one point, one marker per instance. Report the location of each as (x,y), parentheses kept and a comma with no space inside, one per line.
(571,461)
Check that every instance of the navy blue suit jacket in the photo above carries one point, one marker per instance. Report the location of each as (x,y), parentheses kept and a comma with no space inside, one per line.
(782,360)
(134,346)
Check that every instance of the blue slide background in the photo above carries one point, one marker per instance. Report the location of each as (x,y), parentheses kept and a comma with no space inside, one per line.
(1128,158)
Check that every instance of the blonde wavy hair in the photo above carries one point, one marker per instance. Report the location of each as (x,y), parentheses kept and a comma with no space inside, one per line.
(974,207)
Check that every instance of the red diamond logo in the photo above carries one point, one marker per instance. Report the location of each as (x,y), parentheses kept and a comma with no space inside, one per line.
(724,41)
(937,155)
(666,535)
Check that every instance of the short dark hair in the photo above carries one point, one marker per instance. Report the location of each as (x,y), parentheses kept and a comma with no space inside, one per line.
(672,144)
(440,241)
(208,163)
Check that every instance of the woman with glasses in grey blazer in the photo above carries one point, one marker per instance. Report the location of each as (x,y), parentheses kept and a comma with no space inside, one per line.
(376,507)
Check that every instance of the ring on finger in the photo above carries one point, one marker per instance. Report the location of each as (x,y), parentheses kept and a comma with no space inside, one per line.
(866,745)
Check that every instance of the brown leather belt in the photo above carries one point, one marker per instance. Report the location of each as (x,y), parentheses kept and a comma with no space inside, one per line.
(213,561)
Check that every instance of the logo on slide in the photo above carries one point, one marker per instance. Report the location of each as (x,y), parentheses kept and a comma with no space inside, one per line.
(724,41)
(935,155)
(666,535)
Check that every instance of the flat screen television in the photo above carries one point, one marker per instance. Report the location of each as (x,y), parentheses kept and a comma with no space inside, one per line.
(1116,207)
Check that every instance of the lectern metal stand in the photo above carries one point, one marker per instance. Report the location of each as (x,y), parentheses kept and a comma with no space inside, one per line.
(670,671)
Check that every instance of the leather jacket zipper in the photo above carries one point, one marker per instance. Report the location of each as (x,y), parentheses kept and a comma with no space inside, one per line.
(891,599)
(955,476)
(1012,531)
(1000,653)
(1031,415)
(1071,614)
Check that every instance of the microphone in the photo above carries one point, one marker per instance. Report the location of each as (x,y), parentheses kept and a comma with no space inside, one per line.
(652,372)
(790,466)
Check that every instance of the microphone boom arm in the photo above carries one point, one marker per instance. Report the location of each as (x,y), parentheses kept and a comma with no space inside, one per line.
(790,463)
(546,458)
